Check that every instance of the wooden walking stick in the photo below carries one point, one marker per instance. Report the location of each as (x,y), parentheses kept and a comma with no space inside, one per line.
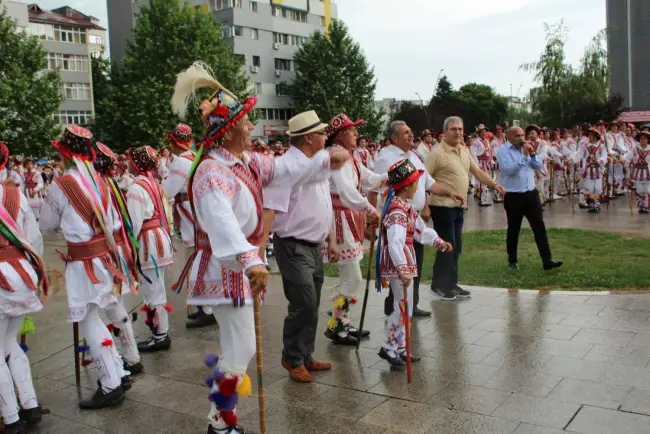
(404,306)
(630,195)
(77,363)
(260,364)
(365,297)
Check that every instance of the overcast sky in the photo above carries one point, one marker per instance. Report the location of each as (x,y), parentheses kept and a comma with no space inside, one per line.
(483,41)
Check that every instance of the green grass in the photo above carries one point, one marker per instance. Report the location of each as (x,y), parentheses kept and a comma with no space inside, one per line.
(593,260)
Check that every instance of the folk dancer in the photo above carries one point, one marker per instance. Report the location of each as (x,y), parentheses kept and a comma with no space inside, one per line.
(22,276)
(540,149)
(482,152)
(124,178)
(16,173)
(80,205)
(226,270)
(426,146)
(165,161)
(593,158)
(401,227)
(266,247)
(151,217)
(33,182)
(567,147)
(582,139)
(361,152)
(615,141)
(121,325)
(556,162)
(350,209)
(498,141)
(638,162)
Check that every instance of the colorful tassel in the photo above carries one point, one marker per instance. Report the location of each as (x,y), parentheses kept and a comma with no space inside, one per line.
(211,360)
(86,362)
(110,327)
(223,402)
(228,386)
(107,343)
(24,347)
(229,417)
(144,308)
(27,327)
(82,348)
(169,308)
(353,300)
(245,387)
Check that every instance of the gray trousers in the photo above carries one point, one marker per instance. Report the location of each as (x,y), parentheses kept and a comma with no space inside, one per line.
(301,267)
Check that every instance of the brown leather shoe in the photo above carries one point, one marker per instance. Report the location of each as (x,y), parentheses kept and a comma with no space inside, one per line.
(300,374)
(315,365)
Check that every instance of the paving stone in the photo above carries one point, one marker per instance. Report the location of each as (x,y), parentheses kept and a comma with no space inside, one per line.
(638,401)
(412,417)
(607,337)
(473,399)
(526,428)
(537,411)
(587,392)
(595,420)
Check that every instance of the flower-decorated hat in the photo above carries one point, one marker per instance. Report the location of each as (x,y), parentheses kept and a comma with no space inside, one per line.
(105,158)
(220,112)
(480,128)
(144,158)
(427,132)
(402,174)
(340,122)
(180,136)
(75,141)
(594,131)
(533,127)
(260,146)
(4,155)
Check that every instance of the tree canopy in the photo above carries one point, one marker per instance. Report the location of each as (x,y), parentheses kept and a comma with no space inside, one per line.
(28,96)
(333,76)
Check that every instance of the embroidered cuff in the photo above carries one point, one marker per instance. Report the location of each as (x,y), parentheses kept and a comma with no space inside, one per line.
(403,269)
(370,209)
(248,259)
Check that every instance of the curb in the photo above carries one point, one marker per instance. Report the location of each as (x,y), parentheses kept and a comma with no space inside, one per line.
(558,292)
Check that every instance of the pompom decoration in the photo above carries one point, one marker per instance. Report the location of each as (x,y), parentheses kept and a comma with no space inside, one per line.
(223,402)
(82,348)
(331,323)
(110,327)
(24,347)
(228,386)
(169,308)
(209,382)
(211,360)
(144,308)
(353,300)
(107,343)
(229,417)
(27,327)
(245,387)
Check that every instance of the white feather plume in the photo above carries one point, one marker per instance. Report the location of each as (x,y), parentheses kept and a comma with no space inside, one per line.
(197,76)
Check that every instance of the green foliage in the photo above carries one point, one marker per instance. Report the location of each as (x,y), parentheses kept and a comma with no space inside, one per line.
(566,96)
(28,96)
(167,38)
(333,76)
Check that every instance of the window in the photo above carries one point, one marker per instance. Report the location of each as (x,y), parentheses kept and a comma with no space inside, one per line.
(258,88)
(256,61)
(217,5)
(96,53)
(283,64)
(322,21)
(299,16)
(298,40)
(230,31)
(253,5)
(73,35)
(281,38)
(279,90)
(74,117)
(269,114)
(67,62)
(42,31)
(238,30)
(255,34)
(76,91)
(291,14)
(94,39)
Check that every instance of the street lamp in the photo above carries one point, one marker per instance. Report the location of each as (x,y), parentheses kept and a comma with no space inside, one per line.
(425,110)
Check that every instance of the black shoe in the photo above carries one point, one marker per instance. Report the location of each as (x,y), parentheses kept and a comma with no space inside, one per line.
(484,204)
(193,315)
(552,264)
(200,320)
(31,416)
(230,430)
(103,399)
(419,313)
(14,428)
(134,369)
(348,340)
(152,344)
(414,359)
(388,306)
(593,210)
(582,206)
(461,293)
(354,332)
(126,383)
(513,266)
(395,362)
(445,295)
(643,211)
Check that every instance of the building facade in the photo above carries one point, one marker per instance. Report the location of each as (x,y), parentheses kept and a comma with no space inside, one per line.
(628,39)
(70,38)
(266,33)
(16,10)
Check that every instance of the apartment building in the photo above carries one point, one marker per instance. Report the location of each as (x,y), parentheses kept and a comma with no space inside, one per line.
(16,10)
(70,38)
(266,33)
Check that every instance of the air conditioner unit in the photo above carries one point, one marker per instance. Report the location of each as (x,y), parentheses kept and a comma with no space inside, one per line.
(276,45)
(278,72)
(255,69)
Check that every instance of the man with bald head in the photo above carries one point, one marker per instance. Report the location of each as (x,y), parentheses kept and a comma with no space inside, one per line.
(518,163)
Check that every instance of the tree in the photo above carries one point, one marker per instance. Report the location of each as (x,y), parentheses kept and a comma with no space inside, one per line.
(415,115)
(333,76)
(103,77)
(167,38)
(481,105)
(28,96)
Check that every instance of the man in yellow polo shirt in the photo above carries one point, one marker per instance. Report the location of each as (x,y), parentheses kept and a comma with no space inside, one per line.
(450,164)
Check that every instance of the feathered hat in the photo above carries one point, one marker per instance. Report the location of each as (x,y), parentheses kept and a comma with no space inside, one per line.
(144,158)
(220,112)
(75,141)
(4,155)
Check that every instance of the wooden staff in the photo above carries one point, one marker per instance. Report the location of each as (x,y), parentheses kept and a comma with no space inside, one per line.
(77,364)
(260,363)
(630,195)
(404,305)
(365,297)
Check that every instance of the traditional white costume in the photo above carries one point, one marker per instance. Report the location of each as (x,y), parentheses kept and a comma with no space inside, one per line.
(638,162)
(34,190)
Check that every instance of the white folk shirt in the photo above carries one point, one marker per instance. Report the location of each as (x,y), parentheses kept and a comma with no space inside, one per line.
(141,209)
(638,162)
(34,195)
(615,143)
(423,151)
(585,153)
(496,144)
(226,211)
(568,147)
(391,155)
(21,299)
(58,213)
(176,182)
(303,211)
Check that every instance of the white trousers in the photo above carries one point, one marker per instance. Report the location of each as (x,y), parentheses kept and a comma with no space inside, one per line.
(105,357)
(119,317)
(349,282)
(237,342)
(593,186)
(642,191)
(14,369)
(154,296)
(395,327)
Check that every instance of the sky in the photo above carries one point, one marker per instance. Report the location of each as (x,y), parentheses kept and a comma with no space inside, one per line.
(484,41)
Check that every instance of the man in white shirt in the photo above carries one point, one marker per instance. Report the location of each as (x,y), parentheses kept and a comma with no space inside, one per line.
(301,219)
(402,147)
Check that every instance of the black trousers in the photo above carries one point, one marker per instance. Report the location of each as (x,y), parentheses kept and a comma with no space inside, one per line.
(529,205)
(419,258)
(301,266)
(448,223)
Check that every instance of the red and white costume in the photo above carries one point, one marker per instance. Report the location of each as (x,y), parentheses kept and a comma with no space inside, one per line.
(592,158)
(638,163)
(175,186)
(34,190)
(497,142)
(482,152)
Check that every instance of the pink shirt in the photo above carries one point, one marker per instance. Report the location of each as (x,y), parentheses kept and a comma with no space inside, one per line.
(303,212)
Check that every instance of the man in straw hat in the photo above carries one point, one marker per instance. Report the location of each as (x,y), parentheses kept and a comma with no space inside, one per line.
(482,152)
(302,224)
(95,263)
(592,158)
(226,270)
(351,209)
(151,217)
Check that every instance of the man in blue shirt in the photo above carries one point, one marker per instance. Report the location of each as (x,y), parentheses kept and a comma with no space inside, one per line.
(518,163)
